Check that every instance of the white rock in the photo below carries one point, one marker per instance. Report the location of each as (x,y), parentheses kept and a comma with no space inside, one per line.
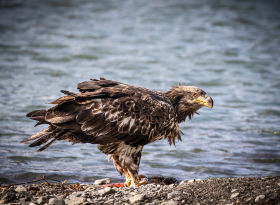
(102,181)
(20,188)
(105,191)
(137,198)
(191,181)
(234,195)
(234,190)
(32,203)
(259,198)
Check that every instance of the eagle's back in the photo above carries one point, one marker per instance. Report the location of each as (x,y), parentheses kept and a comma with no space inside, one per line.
(105,112)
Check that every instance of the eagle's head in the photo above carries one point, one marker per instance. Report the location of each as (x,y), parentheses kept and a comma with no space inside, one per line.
(187,100)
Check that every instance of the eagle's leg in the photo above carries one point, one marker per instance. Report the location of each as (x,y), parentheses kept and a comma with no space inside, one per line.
(127,177)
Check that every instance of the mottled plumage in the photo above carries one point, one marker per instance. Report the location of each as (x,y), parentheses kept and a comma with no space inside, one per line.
(120,118)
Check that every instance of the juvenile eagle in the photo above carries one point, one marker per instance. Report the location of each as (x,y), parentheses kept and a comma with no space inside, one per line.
(120,118)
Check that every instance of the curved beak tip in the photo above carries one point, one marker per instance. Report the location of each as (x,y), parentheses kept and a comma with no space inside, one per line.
(210,102)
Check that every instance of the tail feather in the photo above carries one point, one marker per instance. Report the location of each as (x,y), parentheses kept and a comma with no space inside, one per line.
(41,140)
(36,113)
(58,136)
(38,135)
(46,145)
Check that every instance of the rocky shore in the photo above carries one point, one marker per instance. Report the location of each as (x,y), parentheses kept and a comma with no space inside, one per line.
(159,190)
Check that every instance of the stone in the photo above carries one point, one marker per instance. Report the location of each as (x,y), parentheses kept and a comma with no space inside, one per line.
(102,181)
(137,198)
(234,195)
(20,188)
(171,185)
(73,200)
(191,181)
(42,200)
(170,202)
(259,198)
(32,203)
(234,190)
(2,202)
(105,191)
(182,182)
(174,194)
(56,201)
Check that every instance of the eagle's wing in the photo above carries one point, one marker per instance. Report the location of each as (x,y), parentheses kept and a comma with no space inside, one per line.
(131,114)
(107,111)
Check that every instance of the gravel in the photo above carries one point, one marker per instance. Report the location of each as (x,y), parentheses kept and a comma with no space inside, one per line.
(262,190)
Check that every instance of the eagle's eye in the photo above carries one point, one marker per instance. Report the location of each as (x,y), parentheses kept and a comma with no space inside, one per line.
(195,95)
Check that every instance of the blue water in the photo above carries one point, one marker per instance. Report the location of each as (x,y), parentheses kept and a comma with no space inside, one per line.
(228,48)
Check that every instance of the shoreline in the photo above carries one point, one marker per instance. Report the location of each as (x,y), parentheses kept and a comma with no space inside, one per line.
(242,190)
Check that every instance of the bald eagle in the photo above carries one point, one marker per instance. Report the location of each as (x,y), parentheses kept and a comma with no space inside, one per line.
(119,118)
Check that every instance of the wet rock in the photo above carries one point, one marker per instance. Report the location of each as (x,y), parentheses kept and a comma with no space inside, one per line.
(20,188)
(234,195)
(137,198)
(105,191)
(102,181)
(259,198)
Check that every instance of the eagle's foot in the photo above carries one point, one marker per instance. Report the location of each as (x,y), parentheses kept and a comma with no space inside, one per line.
(139,180)
(127,181)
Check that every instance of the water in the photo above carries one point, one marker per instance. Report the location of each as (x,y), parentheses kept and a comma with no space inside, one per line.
(229,48)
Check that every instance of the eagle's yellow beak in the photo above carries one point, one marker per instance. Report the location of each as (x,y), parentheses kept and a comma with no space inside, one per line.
(206,101)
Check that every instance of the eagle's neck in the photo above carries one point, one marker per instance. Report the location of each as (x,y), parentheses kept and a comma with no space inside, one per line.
(183,109)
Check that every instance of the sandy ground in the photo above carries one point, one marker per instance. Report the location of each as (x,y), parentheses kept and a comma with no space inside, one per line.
(159,190)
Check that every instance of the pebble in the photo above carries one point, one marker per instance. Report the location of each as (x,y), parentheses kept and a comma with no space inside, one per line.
(2,202)
(183,182)
(234,195)
(102,181)
(191,181)
(174,194)
(73,200)
(56,201)
(105,191)
(234,190)
(137,198)
(170,202)
(259,198)
(42,200)
(20,188)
